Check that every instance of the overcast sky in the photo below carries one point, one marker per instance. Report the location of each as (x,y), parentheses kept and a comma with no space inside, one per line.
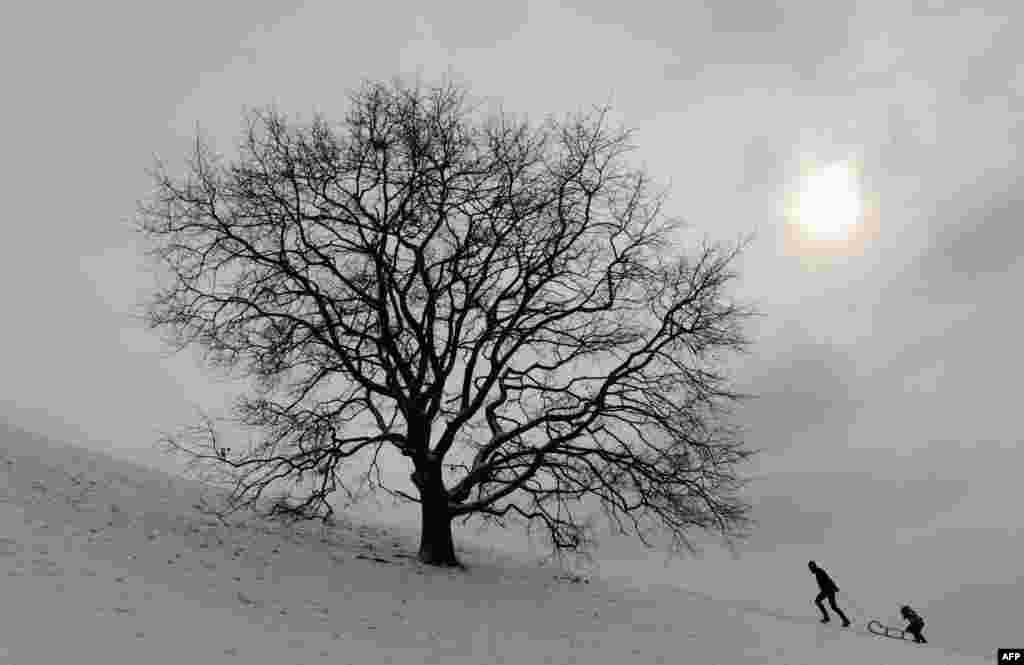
(888,368)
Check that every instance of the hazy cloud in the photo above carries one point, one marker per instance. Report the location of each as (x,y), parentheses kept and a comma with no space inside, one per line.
(817,507)
(982,237)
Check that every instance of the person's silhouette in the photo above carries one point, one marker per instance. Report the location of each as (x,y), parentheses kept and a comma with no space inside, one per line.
(828,589)
(915,624)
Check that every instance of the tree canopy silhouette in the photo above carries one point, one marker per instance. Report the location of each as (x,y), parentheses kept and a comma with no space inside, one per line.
(504,304)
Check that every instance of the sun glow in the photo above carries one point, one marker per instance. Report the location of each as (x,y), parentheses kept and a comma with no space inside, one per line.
(829,204)
(828,212)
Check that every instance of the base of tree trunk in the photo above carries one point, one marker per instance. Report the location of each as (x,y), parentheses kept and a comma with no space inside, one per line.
(432,559)
(437,548)
(436,545)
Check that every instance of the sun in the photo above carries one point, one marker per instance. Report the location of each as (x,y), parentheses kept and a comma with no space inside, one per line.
(829,212)
(829,203)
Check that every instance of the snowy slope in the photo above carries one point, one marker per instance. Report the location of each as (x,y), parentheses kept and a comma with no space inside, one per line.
(106,562)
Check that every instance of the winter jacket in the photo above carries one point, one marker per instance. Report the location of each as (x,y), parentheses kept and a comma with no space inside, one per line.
(825,583)
(911,616)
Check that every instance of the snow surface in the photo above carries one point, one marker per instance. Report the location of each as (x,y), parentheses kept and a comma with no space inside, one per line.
(103,561)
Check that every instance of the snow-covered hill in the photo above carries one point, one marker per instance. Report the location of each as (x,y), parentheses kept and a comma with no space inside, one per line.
(106,562)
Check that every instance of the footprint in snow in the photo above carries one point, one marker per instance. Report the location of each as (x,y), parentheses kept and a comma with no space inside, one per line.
(246,600)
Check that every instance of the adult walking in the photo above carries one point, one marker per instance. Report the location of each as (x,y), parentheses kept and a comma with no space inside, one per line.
(828,589)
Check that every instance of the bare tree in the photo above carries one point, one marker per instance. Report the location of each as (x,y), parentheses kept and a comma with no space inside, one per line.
(504,304)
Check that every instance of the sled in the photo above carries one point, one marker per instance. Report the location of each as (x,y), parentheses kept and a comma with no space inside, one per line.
(888,631)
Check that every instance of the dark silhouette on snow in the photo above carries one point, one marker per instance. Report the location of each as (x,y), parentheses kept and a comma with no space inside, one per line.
(828,590)
(915,624)
(502,304)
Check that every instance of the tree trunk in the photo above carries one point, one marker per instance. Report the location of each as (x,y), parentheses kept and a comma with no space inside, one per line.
(436,545)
